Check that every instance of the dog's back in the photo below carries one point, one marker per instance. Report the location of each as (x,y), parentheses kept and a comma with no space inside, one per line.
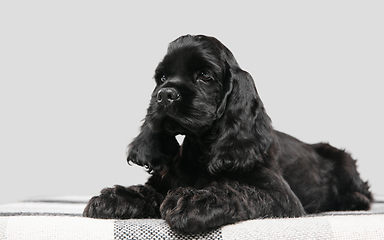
(323,177)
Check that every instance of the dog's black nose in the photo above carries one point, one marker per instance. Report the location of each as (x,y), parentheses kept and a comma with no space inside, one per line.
(166,96)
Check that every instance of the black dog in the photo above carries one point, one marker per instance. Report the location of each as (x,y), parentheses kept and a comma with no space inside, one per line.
(232,165)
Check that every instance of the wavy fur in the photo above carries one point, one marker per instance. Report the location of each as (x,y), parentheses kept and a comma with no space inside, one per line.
(232,165)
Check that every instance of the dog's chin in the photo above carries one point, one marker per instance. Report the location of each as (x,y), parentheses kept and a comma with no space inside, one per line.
(168,125)
(173,128)
(179,126)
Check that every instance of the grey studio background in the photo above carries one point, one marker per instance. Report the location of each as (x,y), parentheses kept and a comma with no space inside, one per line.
(76,79)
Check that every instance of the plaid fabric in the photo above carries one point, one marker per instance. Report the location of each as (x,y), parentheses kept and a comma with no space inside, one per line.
(154,229)
(60,218)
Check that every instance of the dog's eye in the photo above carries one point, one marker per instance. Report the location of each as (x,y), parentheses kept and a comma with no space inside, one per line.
(163,78)
(204,76)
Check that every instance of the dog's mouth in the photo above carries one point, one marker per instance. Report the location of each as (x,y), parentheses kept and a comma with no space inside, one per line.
(174,123)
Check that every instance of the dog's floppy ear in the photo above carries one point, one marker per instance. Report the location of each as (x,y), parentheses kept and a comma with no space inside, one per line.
(243,130)
(152,149)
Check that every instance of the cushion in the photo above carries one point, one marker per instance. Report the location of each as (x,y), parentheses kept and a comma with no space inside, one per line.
(60,218)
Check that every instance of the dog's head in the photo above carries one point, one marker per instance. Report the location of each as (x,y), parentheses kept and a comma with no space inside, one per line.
(192,81)
(202,92)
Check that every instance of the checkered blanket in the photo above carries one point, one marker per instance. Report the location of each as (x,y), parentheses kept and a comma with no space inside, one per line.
(60,218)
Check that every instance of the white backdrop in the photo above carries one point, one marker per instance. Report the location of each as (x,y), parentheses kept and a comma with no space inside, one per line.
(76,79)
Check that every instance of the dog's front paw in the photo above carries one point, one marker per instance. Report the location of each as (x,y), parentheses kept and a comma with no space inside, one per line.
(190,211)
(124,203)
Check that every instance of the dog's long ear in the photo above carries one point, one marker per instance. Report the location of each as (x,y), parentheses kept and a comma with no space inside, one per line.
(244,134)
(152,149)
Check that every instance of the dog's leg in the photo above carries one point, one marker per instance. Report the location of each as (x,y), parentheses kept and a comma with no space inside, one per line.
(125,202)
(350,191)
(189,210)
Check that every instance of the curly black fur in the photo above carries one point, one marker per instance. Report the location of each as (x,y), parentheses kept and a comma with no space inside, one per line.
(232,165)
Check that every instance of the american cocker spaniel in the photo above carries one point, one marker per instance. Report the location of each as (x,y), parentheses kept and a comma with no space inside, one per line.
(232,165)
